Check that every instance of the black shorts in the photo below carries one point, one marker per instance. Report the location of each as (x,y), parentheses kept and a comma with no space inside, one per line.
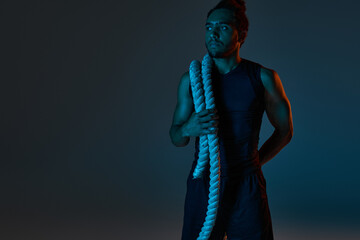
(243,211)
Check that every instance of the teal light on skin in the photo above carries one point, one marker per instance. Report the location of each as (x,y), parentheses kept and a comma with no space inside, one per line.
(222,40)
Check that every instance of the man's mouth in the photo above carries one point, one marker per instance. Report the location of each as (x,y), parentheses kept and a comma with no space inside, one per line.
(214,44)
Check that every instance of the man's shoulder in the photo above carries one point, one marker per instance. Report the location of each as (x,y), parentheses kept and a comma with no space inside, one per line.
(266,74)
(185,76)
(185,79)
(251,62)
(269,78)
(184,84)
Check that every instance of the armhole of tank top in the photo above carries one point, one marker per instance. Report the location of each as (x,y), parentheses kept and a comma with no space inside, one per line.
(261,85)
(258,77)
(255,80)
(192,98)
(190,91)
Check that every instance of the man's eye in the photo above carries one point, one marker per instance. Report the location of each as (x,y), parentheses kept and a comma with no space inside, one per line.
(208,28)
(224,28)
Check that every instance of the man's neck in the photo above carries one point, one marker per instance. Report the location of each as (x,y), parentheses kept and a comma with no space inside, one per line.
(225,65)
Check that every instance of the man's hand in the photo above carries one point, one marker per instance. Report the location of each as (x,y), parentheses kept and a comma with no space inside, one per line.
(186,122)
(201,123)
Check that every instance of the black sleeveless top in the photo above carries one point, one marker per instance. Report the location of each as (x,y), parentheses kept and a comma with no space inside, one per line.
(239,99)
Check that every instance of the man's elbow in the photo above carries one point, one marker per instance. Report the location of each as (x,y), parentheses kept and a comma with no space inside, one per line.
(179,144)
(289,134)
(286,134)
(176,142)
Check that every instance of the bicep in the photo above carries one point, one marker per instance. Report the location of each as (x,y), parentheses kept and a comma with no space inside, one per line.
(277,105)
(184,106)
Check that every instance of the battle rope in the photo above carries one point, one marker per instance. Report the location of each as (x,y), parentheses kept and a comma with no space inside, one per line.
(209,143)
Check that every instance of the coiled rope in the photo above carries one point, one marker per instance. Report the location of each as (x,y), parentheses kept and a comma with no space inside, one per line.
(200,80)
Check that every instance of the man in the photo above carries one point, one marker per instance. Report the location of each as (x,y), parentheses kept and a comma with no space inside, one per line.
(243,90)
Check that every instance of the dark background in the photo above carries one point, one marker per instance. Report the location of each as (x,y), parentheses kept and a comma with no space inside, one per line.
(88,90)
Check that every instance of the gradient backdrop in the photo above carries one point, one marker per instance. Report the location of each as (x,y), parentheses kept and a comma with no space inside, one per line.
(88,90)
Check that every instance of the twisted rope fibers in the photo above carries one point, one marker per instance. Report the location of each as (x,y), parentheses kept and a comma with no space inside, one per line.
(199,102)
(209,143)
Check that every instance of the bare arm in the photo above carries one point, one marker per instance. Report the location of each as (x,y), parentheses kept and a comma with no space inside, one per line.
(183,110)
(278,110)
(186,122)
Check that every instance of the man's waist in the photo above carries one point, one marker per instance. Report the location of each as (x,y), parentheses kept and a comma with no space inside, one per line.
(235,167)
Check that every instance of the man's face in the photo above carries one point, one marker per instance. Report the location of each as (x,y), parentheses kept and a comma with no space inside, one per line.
(221,37)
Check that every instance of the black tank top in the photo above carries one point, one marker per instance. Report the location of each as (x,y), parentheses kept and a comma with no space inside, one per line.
(239,99)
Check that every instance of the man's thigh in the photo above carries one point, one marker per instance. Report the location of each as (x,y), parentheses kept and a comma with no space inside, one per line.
(196,203)
(249,218)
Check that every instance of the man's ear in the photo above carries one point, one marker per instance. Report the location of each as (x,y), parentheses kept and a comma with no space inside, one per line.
(242,35)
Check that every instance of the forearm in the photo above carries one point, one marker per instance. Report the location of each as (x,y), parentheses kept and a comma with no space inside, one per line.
(178,135)
(273,145)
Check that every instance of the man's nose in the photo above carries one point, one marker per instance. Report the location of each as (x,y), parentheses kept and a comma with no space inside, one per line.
(214,34)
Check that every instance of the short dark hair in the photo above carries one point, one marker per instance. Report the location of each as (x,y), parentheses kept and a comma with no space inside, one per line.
(238,7)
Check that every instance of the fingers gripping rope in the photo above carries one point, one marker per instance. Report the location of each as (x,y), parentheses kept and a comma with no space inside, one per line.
(209,143)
